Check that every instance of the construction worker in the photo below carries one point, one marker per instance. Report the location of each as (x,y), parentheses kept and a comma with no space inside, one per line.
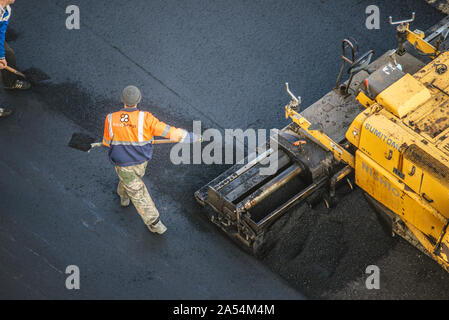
(128,134)
(7,55)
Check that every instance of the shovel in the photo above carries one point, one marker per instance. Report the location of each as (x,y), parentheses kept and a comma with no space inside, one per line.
(85,143)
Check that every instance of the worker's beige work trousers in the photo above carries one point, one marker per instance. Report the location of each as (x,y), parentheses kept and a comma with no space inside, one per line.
(132,187)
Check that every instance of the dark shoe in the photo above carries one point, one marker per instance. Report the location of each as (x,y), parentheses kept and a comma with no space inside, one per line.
(19,85)
(5,112)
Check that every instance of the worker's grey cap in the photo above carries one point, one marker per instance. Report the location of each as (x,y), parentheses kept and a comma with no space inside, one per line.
(131,96)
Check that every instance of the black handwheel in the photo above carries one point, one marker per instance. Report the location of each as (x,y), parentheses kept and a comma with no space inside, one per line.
(362,62)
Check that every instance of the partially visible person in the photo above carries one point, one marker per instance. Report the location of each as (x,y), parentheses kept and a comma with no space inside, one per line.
(7,55)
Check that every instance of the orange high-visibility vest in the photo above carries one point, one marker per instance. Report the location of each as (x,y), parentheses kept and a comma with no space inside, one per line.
(129,134)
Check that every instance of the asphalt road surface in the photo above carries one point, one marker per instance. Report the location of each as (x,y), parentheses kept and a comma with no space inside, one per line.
(221,62)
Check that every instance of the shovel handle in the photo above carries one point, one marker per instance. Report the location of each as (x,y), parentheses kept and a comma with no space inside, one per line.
(162,141)
(15,71)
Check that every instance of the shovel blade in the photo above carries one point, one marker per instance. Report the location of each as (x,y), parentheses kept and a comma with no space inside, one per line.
(81,141)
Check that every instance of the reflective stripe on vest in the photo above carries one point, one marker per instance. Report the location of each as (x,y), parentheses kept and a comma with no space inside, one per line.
(140,126)
(111,134)
(166,130)
(131,143)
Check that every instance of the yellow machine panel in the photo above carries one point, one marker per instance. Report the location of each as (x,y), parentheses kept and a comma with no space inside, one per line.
(354,132)
(381,140)
(403,96)
(377,182)
(412,174)
(431,119)
(443,144)
(434,186)
(426,224)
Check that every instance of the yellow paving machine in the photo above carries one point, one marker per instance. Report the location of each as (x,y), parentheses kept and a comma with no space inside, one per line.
(384,130)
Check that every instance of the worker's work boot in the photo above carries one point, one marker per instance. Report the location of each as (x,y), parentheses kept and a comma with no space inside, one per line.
(5,112)
(124,202)
(157,227)
(19,85)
